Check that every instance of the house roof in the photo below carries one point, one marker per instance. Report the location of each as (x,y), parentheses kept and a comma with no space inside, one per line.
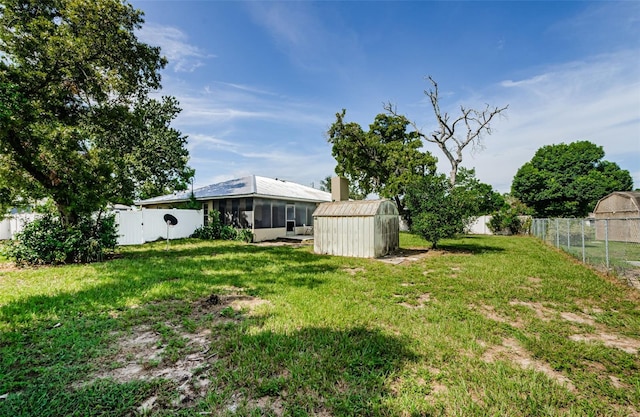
(250,186)
(361,208)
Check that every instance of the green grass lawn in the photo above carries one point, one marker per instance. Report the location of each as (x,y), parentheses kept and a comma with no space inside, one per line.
(484,326)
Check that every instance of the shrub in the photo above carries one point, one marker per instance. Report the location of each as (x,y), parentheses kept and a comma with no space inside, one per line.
(228,232)
(513,218)
(213,228)
(216,230)
(244,235)
(207,232)
(47,240)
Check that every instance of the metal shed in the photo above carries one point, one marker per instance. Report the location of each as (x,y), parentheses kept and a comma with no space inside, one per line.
(618,217)
(363,229)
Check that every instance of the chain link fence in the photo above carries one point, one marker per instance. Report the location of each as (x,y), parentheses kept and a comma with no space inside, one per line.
(612,245)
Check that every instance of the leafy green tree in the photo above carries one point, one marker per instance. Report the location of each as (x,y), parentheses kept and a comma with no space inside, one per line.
(437,211)
(385,160)
(76,121)
(568,180)
(482,197)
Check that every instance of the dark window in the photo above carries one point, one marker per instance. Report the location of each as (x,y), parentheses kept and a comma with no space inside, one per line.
(205,207)
(262,214)
(235,212)
(301,214)
(310,211)
(278,209)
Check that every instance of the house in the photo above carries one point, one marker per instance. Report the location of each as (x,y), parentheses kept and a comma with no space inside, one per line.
(617,217)
(271,208)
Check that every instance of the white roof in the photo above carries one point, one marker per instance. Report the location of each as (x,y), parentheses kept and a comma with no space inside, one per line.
(360,208)
(251,186)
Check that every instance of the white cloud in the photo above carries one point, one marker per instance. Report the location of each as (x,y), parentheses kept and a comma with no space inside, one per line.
(595,100)
(182,56)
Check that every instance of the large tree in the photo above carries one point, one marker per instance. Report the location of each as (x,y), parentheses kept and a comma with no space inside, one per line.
(568,180)
(76,121)
(385,160)
(453,135)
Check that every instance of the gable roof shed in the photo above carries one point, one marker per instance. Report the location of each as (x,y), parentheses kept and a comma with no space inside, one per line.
(618,217)
(363,229)
(619,204)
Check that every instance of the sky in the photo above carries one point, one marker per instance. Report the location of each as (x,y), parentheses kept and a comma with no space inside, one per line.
(260,82)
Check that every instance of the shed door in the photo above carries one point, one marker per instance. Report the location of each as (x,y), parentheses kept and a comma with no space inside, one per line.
(291,219)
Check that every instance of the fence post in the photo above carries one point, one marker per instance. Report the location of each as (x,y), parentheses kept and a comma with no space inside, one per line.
(557,234)
(568,234)
(606,241)
(584,260)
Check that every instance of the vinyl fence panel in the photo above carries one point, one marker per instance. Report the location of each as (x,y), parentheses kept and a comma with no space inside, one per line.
(137,227)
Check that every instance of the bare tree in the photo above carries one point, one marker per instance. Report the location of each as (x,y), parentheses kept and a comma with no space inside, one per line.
(452,136)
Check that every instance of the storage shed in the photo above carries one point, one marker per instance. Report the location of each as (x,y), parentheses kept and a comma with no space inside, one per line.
(621,210)
(363,229)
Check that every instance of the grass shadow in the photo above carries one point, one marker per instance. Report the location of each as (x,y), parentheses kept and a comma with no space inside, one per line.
(151,272)
(473,245)
(312,371)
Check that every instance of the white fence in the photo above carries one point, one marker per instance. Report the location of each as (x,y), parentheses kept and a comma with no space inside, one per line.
(14,223)
(134,227)
(479,226)
(137,227)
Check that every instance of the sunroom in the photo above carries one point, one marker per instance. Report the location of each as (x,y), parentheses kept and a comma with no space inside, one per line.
(271,208)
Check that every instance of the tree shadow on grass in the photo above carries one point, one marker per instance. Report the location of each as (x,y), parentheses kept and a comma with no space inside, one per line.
(312,371)
(180,272)
(473,245)
(49,336)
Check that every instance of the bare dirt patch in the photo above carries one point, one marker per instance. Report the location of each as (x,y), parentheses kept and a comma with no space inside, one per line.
(535,281)
(542,312)
(407,256)
(140,354)
(284,242)
(510,350)
(601,334)
(625,344)
(9,267)
(578,318)
(420,302)
(353,271)
(272,404)
(490,312)
(140,357)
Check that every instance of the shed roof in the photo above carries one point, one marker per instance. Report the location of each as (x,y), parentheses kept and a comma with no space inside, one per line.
(249,186)
(361,208)
(633,196)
